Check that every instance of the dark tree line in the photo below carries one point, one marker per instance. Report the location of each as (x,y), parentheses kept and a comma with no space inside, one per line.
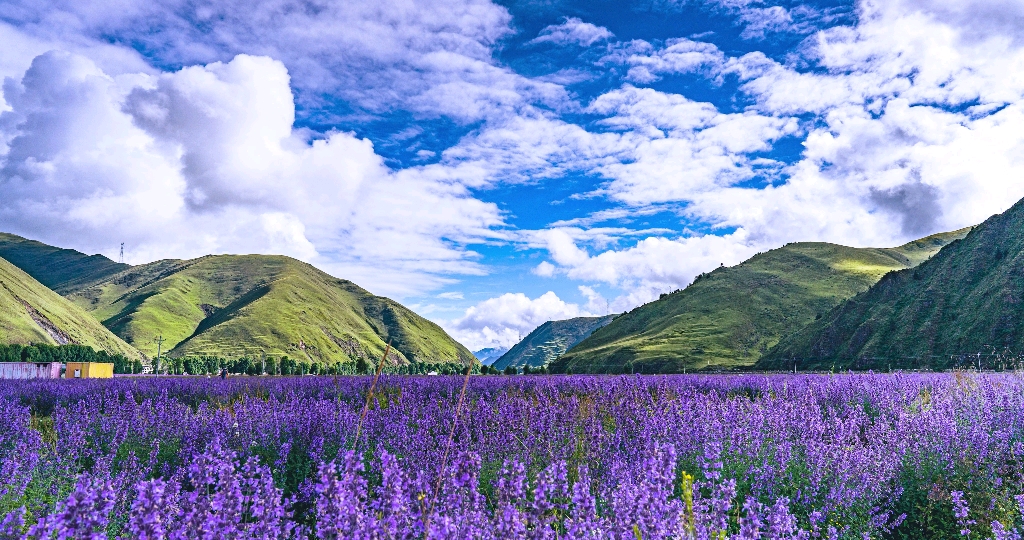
(42,352)
(246,365)
(271,365)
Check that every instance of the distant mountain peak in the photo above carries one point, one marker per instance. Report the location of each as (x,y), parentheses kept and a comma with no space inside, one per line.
(549,341)
(488,355)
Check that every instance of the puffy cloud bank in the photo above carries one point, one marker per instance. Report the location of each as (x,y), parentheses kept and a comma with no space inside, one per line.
(205,160)
(503,320)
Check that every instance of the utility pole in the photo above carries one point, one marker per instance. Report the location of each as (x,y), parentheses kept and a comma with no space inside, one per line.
(159,344)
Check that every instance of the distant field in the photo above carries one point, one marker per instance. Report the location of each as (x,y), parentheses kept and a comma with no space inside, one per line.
(726,457)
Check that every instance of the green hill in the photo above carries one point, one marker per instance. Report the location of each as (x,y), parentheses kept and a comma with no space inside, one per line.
(32,313)
(234,305)
(965,300)
(63,270)
(549,341)
(730,317)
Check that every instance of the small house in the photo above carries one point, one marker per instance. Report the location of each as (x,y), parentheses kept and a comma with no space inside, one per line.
(29,370)
(89,370)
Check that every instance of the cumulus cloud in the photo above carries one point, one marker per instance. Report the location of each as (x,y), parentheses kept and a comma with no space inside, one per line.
(573,31)
(205,160)
(433,58)
(652,266)
(21,47)
(689,147)
(528,149)
(648,64)
(596,302)
(652,147)
(974,19)
(503,320)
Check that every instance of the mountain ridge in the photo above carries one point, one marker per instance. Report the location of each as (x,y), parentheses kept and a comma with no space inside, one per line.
(62,270)
(234,305)
(965,301)
(730,317)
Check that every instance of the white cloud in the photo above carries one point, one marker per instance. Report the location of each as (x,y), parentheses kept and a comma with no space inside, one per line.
(689,147)
(658,147)
(596,302)
(502,321)
(20,48)
(530,148)
(205,160)
(544,269)
(760,21)
(926,52)
(574,31)
(974,19)
(433,58)
(679,55)
(652,266)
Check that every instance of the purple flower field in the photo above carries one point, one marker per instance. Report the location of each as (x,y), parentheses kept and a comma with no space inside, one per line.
(628,457)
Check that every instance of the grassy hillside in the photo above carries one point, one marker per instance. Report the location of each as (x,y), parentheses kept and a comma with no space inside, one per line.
(965,300)
(549,341)
(63,270)
(32,313)
(232,305)
(730,317)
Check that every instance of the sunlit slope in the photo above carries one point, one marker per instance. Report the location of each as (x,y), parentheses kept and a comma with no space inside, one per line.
(32,313)
(968,299)
(63,270)
(732,316)
(234,305)
(549,341)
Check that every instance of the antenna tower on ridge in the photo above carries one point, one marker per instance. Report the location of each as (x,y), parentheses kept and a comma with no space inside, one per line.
(121,258)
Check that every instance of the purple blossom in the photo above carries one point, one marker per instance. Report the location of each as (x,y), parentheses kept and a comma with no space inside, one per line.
(576,457)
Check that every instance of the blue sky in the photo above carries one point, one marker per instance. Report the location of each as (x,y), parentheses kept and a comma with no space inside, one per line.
(497,165)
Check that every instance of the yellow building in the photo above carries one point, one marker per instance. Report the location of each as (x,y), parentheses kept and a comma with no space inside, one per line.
(89,370)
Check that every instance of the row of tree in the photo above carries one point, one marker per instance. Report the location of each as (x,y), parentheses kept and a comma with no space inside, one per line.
(246,365)
(510,370)
(271,365)
(42,352)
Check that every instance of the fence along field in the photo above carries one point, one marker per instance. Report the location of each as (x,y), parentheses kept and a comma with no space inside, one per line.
(741,457)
